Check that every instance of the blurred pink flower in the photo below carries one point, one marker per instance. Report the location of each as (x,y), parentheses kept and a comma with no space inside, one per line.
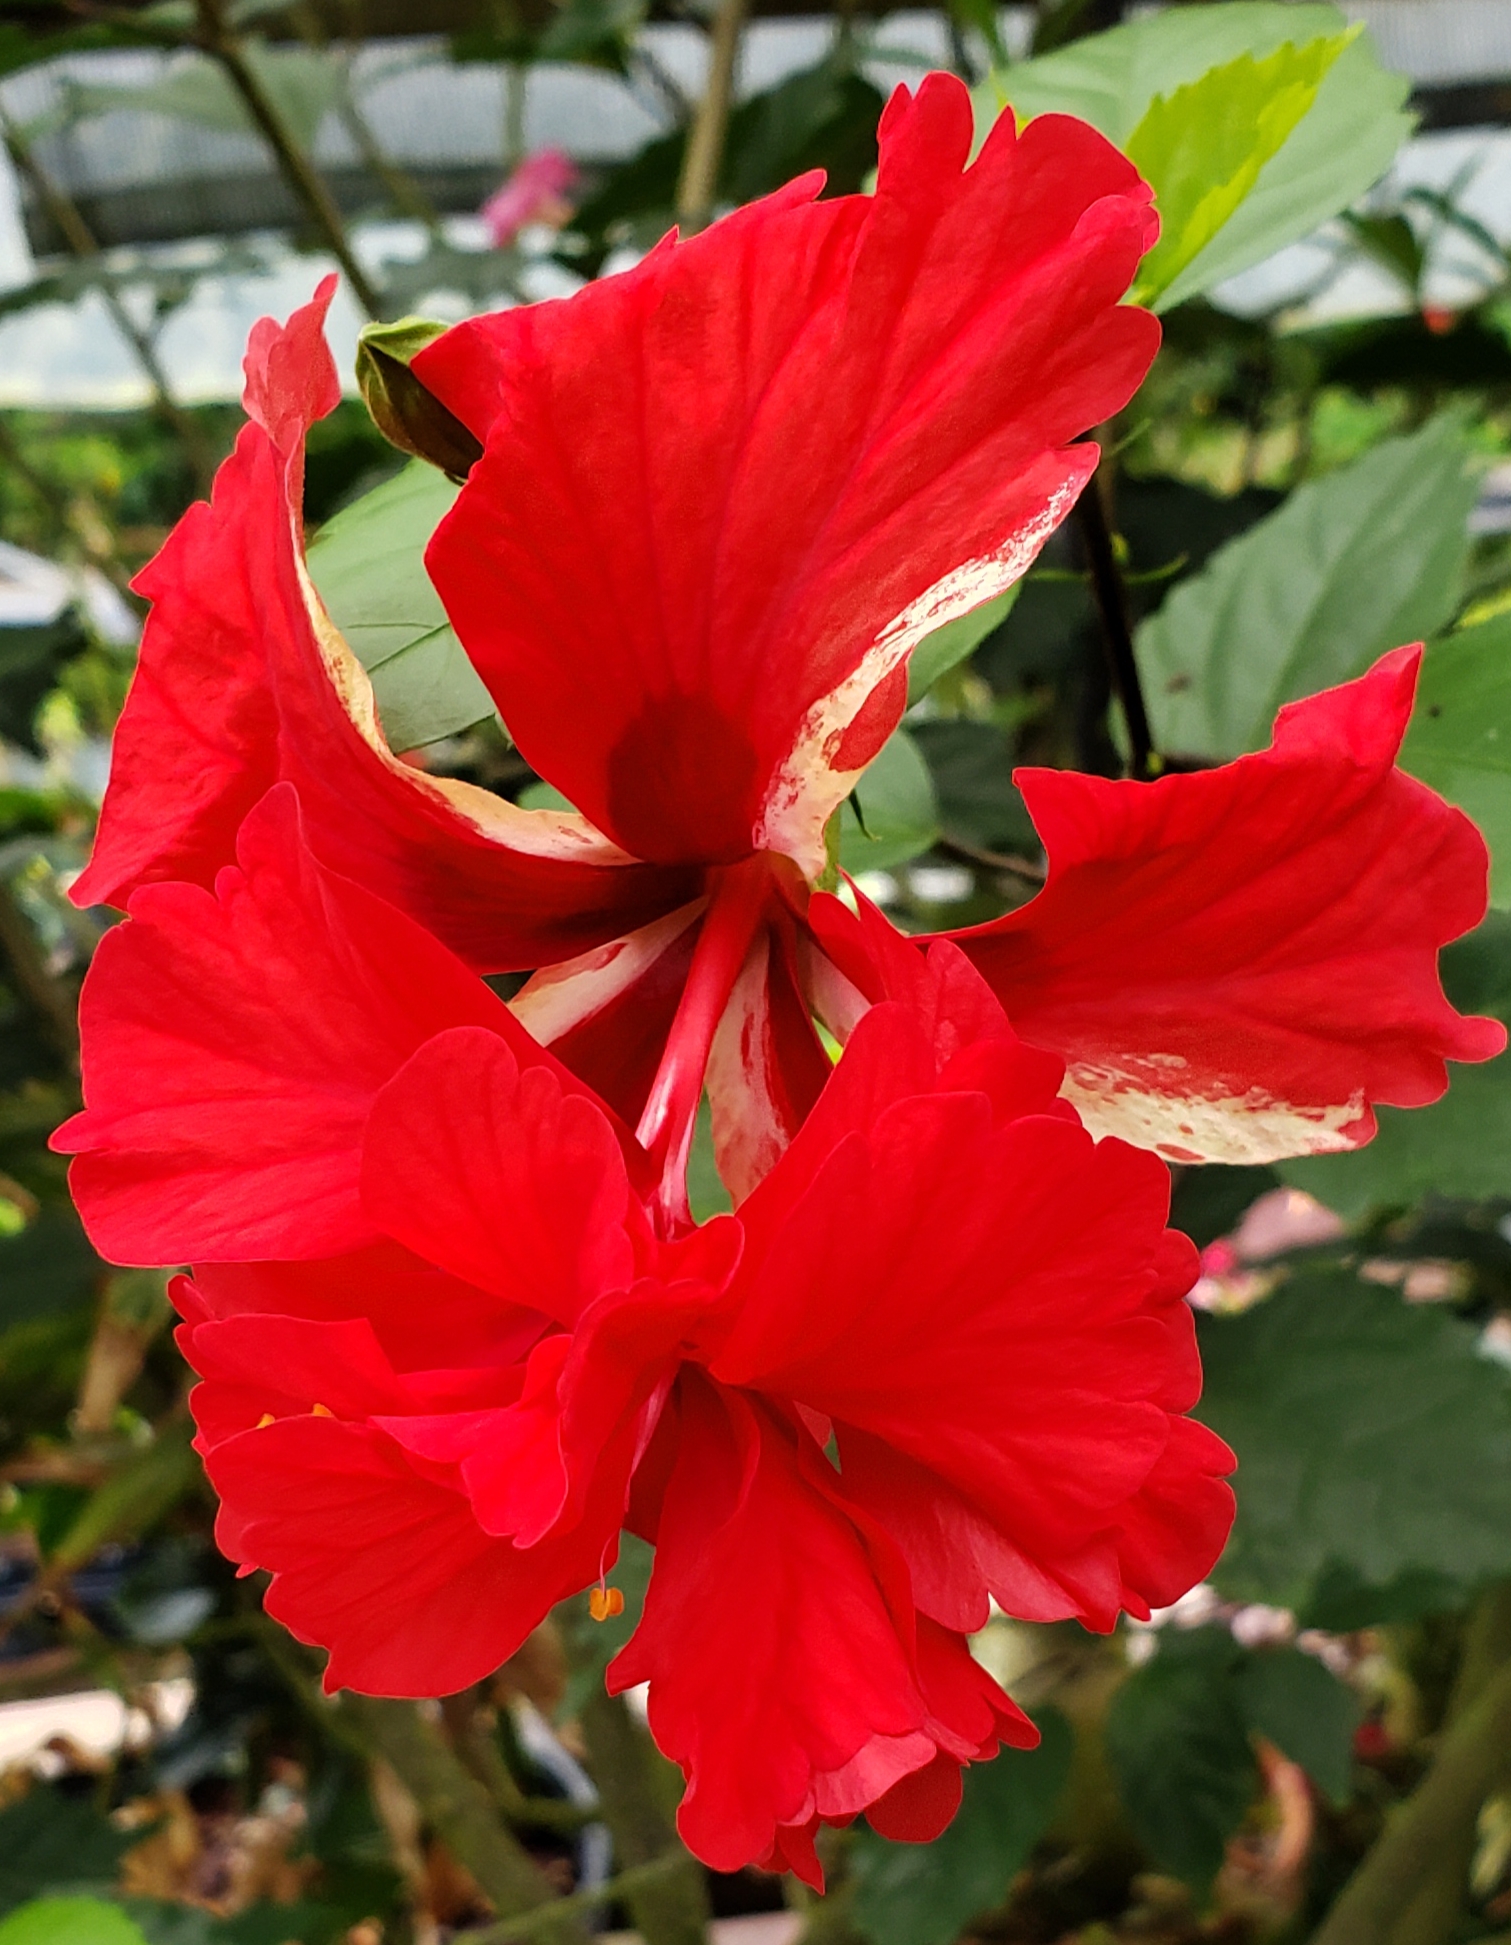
(536,192)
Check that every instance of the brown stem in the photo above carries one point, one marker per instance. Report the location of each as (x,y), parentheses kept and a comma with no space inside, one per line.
(454,1803)
(69,220)
(219,39)
(1117,633)
(1470,1760)
(1432,1915)
(699,182)
(670,1907)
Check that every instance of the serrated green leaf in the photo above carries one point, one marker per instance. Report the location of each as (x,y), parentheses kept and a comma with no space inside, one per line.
(1351,565)
(897,803)
(1460,735)
(369,567)
(921,1894)
(1460,1146)
(1201,149)
(1373,1440)
(1332,155)
(1178,1744)
(947,647)
(1305,1711)
(70,1921)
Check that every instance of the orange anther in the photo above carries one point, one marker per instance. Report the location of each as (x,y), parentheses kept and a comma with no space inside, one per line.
(604,1602)
(267,1418)
(322,1411)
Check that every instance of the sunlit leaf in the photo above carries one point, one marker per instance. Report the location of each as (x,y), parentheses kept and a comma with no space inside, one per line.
(1335,151)
(1202,147)
(70,1921)
(1350,565)
(368,564)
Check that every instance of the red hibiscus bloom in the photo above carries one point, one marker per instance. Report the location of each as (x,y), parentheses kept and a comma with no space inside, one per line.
(502,1356)
(722,497)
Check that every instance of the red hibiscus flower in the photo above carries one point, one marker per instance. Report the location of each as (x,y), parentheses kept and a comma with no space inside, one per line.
(722,497)
(940,1354)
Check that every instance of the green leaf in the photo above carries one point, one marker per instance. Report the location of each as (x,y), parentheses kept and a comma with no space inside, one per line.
(1179,1748)
(592,1645)
(302,85)
(1373,1440)
(1351,565)
(1201,149)
(1335,152)
(1460,735)
(133,1498)
(1460,1146)
(922,1894)
(50,1840)
(369,567)
(70,1921)
(49,1267)
(897,803)
(947,647)
(1305,1711)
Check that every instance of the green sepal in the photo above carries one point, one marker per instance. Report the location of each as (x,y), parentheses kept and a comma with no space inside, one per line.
(409,416)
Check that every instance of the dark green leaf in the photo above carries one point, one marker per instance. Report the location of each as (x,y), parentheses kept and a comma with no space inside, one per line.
(897,804)
(972,768)
(368,565)
(1372,1438)
(1207,1202)
(1460,735)
(1460,1146)
(1305,1711)
(49,1267)
(921,1894)
(1179,1748)
(1351,565)
(51,1840)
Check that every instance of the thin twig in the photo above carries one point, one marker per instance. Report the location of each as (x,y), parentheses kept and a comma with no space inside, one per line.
(1024,868)
(1117,634)
(699,183)
(220,40)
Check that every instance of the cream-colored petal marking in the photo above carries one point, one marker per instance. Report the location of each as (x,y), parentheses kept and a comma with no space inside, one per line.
(560,997)
(563,835)
(807,790)
(1139,1104)
(749,1129)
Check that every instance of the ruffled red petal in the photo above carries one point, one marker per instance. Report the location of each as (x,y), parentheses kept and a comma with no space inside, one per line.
(727,491)
(242,681)
(1237,964)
